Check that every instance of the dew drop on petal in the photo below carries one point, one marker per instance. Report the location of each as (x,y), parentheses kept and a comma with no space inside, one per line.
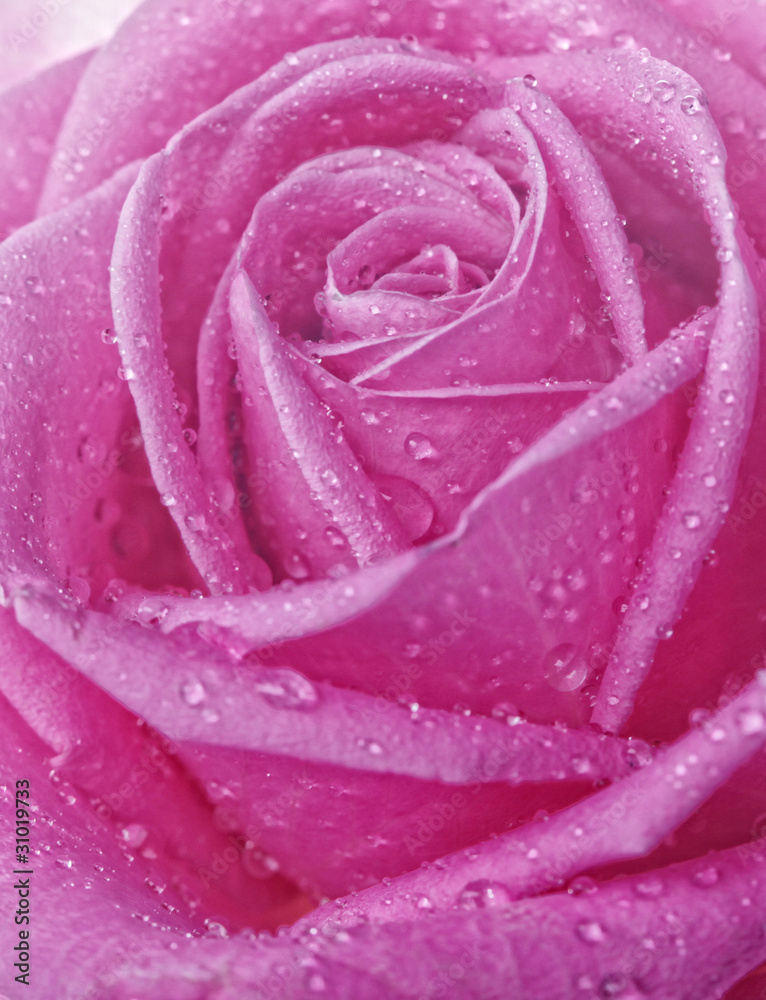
(663,91)
(287,689)
(750,722)
(484,894)
(565,669)
(192,692)
(591,931)
(418,446)
(706,877)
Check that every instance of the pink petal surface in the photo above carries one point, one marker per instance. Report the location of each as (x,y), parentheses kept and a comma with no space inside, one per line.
(320,510)
(136,277)
(704,485)
(80,507)
(613,824)
(267,735)
(464,441)
(411,609)
(518,305)
(79,876)
(338,192)
(706,934)
(134,779)
(25,156)
(573,463)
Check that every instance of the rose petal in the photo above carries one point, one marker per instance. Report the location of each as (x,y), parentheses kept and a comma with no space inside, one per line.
(78,507)
(220,554)
(463,441)
(588,198)
(44,100)
(495,567)
(78,875)
(704,484)
(626,820)
(253,730)
(136,784)
(318,509)
(617,941)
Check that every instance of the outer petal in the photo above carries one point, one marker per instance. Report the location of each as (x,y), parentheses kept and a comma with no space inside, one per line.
(703,933)
(286,756)
(25,154)
(624,821)
(136,784)
(79,878)
(76,502)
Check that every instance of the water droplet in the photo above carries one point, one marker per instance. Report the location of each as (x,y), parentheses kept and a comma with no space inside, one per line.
(750,722)
(706,877)
(663,91)
(612,985)
(190,435)
(168,500)
(134,835)
(530,80)
(690,105)
(285,688)
(371,746)
(195,522)
(483,894)
(692,520)
(34,286)
(583,885)
(126,374)
(591,931)
(709,480)
(418,446)
(565,669)
(151,611)
(650,886)
(192,692)
(215,928)
(642,94)
(335,537)
(329,478)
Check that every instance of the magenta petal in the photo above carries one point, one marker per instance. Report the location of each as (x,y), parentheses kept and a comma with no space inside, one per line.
(316,509)
(80,877)
(136,295)
(704,484)
(408,605)
(695,935)
(133,778)
(251,729)
(464,441)
(626,820)
(25,154)
(586,195)
(73,441)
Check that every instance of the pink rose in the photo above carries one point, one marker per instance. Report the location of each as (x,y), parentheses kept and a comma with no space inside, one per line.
(382,533)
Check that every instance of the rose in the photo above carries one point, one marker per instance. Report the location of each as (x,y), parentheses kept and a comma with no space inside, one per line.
(509,584)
